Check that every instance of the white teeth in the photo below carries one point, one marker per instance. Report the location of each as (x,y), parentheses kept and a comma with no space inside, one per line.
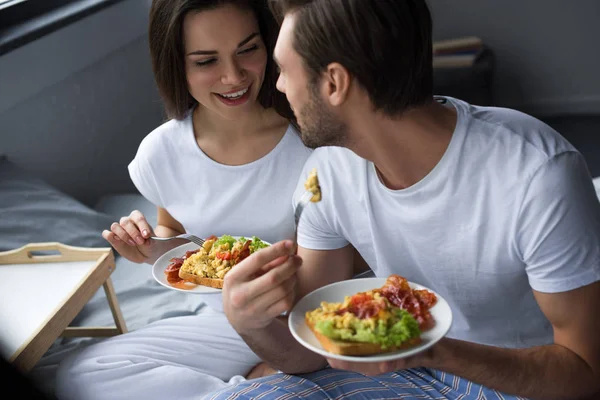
(236,94)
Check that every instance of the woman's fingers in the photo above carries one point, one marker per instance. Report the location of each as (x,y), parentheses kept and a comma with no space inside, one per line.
(142,224)
(135,229)
(131,253)
(122,234)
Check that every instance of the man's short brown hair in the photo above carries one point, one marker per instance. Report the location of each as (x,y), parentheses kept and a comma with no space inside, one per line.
(385,44)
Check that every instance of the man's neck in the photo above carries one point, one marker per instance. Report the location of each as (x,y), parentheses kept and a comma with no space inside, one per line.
(405,149)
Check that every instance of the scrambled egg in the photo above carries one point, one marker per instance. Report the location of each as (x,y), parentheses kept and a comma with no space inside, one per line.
(347,320)
(205,264)
(312,185)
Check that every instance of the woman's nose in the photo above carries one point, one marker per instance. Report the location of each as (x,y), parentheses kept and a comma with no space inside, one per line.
(233,74)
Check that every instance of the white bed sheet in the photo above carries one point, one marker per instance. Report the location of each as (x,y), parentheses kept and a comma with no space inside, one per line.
(141,298)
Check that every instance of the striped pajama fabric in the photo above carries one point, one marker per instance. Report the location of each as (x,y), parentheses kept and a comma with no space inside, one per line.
(418,383)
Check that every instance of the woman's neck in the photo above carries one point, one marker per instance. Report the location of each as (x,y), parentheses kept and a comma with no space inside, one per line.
(212,126)
(240,141)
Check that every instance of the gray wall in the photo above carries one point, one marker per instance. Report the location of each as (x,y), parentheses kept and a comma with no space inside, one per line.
(75,104)
(548,55)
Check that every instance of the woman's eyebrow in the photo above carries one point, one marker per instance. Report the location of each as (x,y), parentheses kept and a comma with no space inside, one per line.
(212,52)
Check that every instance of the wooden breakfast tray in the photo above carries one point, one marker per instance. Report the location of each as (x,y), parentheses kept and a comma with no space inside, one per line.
(43,286)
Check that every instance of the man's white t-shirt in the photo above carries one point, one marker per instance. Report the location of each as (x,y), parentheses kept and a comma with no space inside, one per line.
(509,207)
(209,198)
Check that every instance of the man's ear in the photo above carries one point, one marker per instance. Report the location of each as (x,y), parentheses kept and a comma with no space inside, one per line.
(336,84)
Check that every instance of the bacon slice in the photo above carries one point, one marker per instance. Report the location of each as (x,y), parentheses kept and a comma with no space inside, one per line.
(417,302)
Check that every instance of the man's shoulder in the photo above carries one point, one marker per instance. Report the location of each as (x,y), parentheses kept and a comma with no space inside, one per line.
(513,128)
(510,136)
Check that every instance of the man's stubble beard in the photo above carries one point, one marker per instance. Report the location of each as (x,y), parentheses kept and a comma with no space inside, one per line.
(319,126)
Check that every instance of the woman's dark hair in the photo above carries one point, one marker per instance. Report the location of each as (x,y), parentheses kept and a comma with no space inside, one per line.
(385,44)
(167,52)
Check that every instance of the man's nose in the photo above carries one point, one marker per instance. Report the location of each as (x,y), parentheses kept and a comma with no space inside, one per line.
(280,84)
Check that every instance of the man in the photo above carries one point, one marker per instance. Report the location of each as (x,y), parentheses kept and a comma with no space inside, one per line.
(489,207)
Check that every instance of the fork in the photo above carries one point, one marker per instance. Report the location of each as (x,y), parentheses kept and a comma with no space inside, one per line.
(303,202)
(187,236)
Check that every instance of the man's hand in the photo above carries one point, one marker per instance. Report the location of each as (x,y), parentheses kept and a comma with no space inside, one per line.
(261,287)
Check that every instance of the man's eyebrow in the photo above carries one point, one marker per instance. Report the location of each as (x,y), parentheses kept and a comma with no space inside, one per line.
(213,52)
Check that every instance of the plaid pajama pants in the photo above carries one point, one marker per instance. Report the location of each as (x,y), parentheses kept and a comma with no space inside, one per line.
(419,383)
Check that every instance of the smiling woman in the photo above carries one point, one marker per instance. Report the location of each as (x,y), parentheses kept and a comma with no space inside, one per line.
(221,69)
(193,49)
(227,161)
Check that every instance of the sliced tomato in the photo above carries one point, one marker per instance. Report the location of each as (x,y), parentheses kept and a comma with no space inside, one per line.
(223,255)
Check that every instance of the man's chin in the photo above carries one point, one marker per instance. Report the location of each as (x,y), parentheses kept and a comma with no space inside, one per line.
(313,143)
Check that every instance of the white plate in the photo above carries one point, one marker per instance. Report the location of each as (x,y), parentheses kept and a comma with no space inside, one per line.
(158,270)
(335,292)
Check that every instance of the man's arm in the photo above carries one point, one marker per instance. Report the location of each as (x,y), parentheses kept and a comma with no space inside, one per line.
(257,321)
(567,369)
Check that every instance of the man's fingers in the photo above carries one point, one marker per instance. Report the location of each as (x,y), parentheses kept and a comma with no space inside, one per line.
(286,302)
(276,275)
(252,265)
(270,280)
(249,292)
(275,263)
(276,300)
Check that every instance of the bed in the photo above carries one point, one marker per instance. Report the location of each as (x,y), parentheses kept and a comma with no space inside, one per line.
(32,210)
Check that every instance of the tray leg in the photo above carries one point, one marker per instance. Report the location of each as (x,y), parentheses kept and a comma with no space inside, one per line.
(111,296)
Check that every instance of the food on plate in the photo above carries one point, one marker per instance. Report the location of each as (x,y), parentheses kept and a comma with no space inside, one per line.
(312,185)
(381,320)
(209,264)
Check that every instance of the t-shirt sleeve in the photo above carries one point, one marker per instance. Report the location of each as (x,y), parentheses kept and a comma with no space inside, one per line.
(142,176)
(316,228)
(558,232)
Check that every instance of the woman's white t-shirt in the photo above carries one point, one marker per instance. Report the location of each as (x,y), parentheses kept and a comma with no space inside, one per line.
(209,198)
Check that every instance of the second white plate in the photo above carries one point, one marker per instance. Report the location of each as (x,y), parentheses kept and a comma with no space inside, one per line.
(335,292)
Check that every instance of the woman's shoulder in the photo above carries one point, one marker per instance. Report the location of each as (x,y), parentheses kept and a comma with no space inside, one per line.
(164,137)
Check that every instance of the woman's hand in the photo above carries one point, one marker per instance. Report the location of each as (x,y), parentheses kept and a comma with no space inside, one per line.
(129,237)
